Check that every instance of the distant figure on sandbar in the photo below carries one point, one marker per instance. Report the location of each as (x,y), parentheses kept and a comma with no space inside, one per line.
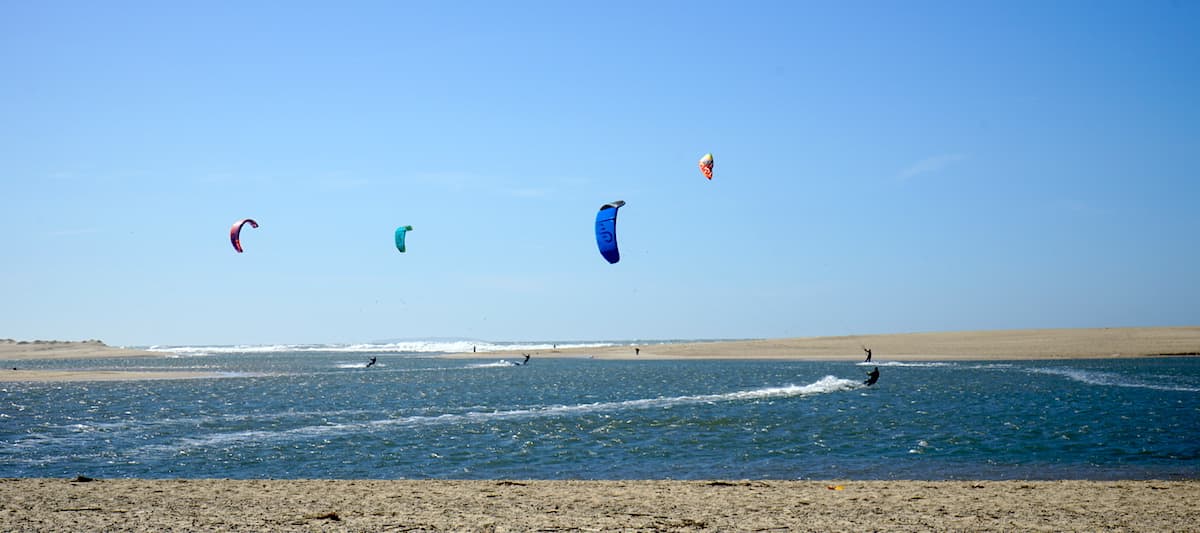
(868,350)
(872,377)
(526,361)
(372,363)
(637,351)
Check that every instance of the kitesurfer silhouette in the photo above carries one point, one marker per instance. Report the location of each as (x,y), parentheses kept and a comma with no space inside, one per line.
(526,361)
(872,377)
(372,363)
(868,350)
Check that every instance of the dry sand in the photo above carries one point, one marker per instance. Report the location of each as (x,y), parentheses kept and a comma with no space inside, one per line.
(965,345)
(337,505)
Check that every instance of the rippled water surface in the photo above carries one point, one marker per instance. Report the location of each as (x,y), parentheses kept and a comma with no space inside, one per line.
(317,414)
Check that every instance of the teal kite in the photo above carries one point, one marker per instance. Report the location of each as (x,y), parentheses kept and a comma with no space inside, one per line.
(400,231)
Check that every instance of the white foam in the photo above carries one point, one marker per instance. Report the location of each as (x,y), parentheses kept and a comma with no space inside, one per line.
(495,364)
(461,346)
(905,364)
(988,366)
(1093,377)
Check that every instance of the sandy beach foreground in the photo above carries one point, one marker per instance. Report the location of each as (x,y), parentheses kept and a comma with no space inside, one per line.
(342,505)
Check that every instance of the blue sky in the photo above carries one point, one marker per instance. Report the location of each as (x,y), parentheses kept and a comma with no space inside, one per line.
(880,167)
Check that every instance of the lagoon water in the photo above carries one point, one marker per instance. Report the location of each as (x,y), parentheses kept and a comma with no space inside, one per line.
(316,412)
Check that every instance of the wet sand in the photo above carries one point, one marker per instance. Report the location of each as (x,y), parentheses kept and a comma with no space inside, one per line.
(344,505)
(42,376)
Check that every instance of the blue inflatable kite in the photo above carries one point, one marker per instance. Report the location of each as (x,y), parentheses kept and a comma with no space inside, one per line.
(606,231)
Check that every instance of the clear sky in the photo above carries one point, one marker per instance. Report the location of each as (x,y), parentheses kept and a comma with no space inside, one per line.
(880,167)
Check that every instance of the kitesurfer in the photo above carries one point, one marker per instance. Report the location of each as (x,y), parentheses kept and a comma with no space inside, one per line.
(872,377)
(868,350)
(372,363)
(526,361)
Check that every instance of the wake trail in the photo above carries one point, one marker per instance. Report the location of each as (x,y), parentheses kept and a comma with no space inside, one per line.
(825,385)
(1110,379)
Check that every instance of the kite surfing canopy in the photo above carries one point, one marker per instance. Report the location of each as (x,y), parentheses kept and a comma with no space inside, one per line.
(400,232)
(606,231)
(706,165)
(235,233)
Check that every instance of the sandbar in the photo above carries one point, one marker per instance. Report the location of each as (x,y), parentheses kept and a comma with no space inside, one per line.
(18,351)
(1025,344)
(11,350)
